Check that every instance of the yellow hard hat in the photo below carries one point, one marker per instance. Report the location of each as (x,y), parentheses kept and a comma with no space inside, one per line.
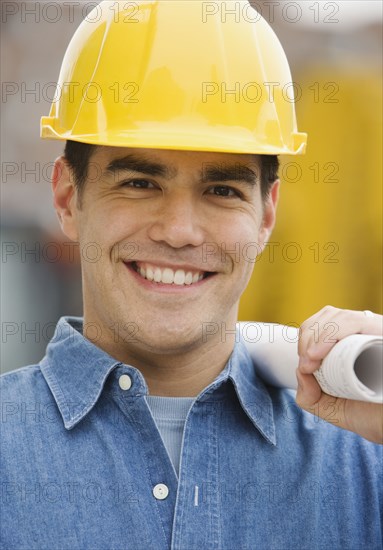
(190,75)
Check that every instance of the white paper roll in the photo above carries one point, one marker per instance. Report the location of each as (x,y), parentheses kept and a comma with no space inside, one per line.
(352,369)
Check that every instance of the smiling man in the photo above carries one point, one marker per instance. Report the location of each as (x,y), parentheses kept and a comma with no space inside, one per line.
(137,429)
(173,206)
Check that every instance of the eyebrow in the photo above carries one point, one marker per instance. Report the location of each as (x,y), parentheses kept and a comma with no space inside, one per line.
(211,172)
(229,172)
(140,164)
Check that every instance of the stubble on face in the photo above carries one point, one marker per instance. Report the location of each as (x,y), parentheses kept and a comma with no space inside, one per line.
(172,217)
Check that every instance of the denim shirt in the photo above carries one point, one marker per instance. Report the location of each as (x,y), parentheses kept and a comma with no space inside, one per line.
(84,466)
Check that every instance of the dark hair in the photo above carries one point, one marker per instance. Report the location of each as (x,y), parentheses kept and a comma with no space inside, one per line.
(269,173)
(78,156)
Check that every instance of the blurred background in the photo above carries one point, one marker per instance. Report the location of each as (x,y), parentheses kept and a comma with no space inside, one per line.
(327,244)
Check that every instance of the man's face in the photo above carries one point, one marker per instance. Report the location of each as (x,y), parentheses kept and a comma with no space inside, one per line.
(168,241)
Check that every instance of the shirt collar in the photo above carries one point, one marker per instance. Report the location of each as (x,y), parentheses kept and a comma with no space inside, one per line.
(251,391)
(76,370)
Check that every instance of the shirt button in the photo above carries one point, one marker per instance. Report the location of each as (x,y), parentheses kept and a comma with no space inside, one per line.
(125,382)
(160,491)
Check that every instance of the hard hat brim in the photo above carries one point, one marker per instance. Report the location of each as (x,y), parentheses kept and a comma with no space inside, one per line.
(181,139)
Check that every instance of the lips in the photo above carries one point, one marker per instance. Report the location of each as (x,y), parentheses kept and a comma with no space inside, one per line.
(168,275)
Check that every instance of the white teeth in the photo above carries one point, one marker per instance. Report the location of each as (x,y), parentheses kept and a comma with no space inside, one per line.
(179,277)
(189,278)
(168,276)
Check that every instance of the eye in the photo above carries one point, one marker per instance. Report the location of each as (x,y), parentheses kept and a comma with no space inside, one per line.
(225,191)
(137,184)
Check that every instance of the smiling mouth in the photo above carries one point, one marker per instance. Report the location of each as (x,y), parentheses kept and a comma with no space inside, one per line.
(169,276)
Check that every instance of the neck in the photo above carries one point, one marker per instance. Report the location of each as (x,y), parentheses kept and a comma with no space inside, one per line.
(183,373)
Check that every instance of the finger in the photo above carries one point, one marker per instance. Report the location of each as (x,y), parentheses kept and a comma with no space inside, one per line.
(316,331)
(311,398)
(309,392)
(331,325)
(311,328)
(373,323)
(365,419)
(308,366)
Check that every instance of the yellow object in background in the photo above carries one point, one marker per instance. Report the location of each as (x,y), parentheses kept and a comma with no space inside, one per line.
(327,244)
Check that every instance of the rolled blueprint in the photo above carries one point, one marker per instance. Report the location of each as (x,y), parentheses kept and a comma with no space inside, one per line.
(352,369)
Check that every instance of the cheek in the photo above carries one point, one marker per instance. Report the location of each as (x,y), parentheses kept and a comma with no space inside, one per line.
(239,238)
(110,222)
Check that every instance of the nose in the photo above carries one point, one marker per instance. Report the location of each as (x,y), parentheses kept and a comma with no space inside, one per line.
(178,222)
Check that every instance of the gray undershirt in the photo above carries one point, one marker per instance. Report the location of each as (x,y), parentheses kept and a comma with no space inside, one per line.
(170,414)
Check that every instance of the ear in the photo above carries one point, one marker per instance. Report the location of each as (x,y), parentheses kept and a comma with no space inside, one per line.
(65,198)
(269,214)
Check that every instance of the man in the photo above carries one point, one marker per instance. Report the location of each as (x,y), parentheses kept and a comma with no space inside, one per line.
(146,432)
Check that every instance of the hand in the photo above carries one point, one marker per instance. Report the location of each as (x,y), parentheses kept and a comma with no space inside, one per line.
(365,419)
